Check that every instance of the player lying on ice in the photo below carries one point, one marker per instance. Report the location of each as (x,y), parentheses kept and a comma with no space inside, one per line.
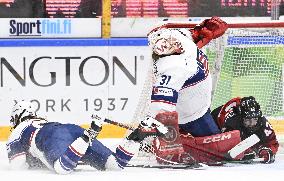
(246,135)
(34,141)
(183,90)
(244,114)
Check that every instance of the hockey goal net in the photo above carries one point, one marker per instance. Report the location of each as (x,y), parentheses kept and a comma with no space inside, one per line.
(247,60)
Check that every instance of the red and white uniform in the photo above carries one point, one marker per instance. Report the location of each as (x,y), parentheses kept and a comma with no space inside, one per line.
(228,120)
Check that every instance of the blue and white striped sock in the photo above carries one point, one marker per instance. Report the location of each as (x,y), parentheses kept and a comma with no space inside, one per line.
(68,161)
(125,151)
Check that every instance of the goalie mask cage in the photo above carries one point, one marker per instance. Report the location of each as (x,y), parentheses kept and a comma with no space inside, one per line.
(247,60)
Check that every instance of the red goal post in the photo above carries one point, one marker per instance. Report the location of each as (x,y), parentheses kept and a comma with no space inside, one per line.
(230,25)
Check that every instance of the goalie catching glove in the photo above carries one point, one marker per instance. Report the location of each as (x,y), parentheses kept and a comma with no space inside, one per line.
(209,29)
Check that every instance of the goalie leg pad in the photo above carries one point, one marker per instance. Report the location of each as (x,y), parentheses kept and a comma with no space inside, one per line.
(170,144)
(210,149)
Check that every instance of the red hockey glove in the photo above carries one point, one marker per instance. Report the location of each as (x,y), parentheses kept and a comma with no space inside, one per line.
(267,154)
(217,26)
(209,29)
(201,36)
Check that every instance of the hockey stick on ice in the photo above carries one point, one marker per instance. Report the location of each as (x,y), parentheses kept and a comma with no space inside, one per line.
(225,162)
(179,166)
(199,166)
(249,161)
(243,146)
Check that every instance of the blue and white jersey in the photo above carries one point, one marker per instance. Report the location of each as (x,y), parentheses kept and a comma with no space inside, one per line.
(19,142)
(183,84)
(48,142)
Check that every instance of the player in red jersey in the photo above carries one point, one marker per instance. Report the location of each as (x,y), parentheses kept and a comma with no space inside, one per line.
(244,114)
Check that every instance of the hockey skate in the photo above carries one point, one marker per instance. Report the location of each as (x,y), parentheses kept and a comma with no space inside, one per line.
(147,129)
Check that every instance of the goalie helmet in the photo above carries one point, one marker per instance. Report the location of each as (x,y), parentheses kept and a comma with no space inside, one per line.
(250,112)
(20,111)
(165,41)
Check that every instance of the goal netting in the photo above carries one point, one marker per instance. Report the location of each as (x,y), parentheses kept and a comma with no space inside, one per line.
(247,60)
(251,64)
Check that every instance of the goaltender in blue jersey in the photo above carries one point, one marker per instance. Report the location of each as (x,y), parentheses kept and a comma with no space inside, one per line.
(36,142)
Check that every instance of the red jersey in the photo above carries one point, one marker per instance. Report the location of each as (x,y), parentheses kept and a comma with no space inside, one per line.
(228,118)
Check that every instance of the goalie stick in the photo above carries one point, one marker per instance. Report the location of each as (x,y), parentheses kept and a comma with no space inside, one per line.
(234,162)
(249,161)
(197,166)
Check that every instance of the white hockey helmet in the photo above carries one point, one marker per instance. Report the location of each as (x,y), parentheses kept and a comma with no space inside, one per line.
(162,42)
(166,41)
(21,110)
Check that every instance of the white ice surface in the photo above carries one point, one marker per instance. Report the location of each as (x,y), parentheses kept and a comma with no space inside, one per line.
(240,172)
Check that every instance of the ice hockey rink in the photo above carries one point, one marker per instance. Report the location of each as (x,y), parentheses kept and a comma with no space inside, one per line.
(238,172)
(47,66)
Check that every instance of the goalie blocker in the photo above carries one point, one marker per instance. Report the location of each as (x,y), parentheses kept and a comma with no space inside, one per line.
(184,148)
